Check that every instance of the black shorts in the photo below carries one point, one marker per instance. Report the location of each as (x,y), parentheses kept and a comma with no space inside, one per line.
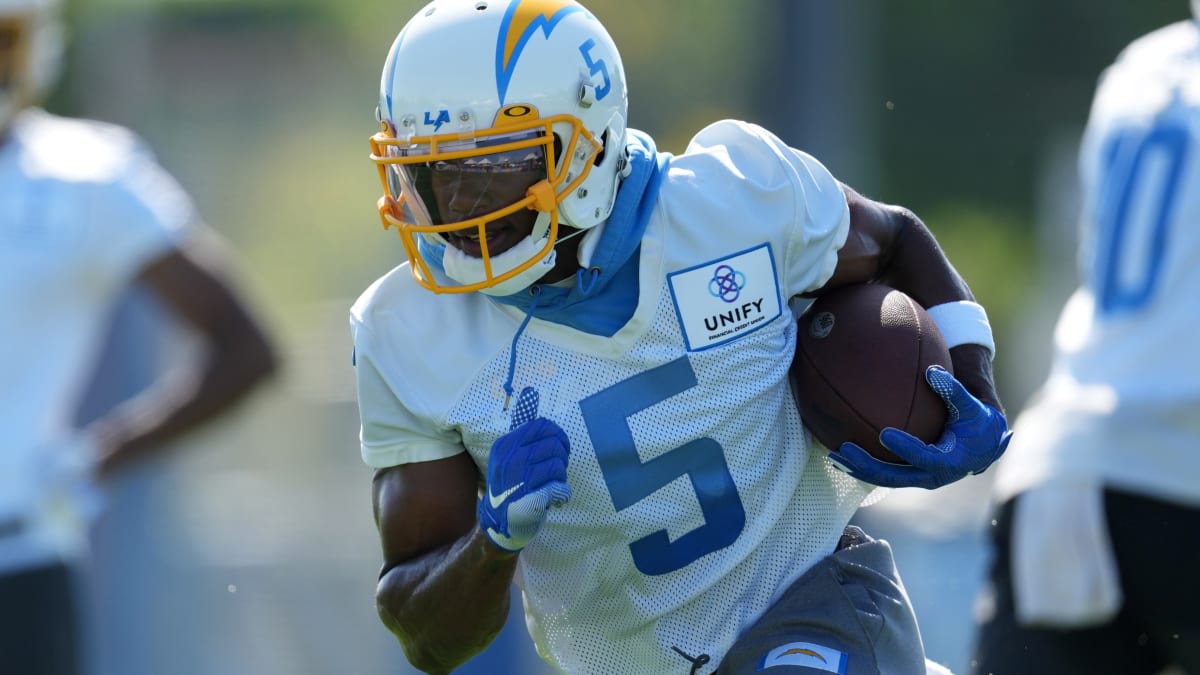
(39,632)
(849,614)
(1157,549)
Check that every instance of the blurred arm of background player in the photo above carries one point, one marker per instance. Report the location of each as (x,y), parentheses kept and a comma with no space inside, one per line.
(190,283)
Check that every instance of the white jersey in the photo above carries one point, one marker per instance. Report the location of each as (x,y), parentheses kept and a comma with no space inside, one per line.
(1122,403)
(83,207)
(697,495)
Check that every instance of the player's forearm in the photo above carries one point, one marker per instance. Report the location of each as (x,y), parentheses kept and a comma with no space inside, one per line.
(916,264)
(889,244)
(973,367)
(919,267)
(449,604)
(181,400)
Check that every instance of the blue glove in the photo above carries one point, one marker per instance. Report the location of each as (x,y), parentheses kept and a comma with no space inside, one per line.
(527,474)
(976,435)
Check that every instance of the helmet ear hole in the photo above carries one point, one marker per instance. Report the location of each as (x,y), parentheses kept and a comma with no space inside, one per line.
(603,149)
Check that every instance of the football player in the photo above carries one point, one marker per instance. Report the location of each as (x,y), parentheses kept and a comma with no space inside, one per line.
(550,395)
(1095,549)
(84,212)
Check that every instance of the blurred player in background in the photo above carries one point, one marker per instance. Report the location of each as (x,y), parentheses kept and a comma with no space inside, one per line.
(1096,548)
(597,336)
(85,211)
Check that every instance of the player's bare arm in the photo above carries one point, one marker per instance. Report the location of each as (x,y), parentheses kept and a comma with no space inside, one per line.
(444,587)
(890,245)
(237,357)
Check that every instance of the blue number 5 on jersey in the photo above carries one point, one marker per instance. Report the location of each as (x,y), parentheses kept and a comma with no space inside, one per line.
(631,480)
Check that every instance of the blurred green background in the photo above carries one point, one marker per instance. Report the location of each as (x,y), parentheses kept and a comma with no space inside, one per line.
(967,113)
(956,110)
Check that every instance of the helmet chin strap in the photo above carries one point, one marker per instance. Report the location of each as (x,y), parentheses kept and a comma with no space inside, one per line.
(467,269)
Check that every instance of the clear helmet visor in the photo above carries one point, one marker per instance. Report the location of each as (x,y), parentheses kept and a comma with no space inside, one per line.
(483,178)
(482,206)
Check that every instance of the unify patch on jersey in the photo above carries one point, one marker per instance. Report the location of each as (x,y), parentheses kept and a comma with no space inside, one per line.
(807,654)
(725,299)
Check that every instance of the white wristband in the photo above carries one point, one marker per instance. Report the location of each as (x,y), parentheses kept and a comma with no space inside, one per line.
(964,323)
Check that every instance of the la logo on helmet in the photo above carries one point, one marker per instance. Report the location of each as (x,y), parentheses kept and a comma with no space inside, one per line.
(443,117)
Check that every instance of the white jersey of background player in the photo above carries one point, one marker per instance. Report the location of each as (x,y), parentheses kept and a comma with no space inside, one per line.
(86,213)
(636,303)
(1104,465)
(60,277)
(1120,405)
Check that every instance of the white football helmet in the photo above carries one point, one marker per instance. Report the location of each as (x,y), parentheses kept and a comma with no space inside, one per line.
(31,48)
(490,108)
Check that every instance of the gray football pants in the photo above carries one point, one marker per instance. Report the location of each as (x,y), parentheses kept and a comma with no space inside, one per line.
(852,603)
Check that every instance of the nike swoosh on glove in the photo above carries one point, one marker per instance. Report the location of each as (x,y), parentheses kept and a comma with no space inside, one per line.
(526,475)
(976,435)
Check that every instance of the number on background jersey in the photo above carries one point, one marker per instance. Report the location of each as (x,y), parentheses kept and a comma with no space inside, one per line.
(1139,187)
(631,480)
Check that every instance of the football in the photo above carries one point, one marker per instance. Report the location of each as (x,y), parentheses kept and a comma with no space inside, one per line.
(861,355)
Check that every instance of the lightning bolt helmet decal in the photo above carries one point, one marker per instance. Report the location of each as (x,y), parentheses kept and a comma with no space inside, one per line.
(521,21)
